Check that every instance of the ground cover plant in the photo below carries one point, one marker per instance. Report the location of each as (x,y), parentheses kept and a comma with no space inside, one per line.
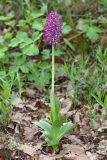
(53,75)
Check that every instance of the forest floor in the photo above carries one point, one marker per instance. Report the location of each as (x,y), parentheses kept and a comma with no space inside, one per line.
(24,140)
(83,63)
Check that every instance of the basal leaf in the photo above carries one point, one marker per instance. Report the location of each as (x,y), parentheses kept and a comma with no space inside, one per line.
(65,129)
(55,112)
(59,121)
(44,125)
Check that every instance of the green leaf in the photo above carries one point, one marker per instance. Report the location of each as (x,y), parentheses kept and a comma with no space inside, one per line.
(14,42)
(8,35)
(1,39)
(6,89)
(44,65)
(103,21)
(24,68)
(22,23)
(19,58)
(6,18)
(20,37)
(3,48)
(98,100)
(32,77)
(2,54)
(46,53)
(37,25)
(44,125)
(44,78)
(84,27)
(65,129)
(36,14)
(105,101)
(3,18)
(69,44)
(93,33)
(25,43)
(104,3)
(59,121)
(58,52)
(44,8)
(66,29)
(36,36)
(30,50)
(55,111)
(57,106)
(10,23)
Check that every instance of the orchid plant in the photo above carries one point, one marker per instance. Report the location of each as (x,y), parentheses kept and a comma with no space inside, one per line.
(57,128)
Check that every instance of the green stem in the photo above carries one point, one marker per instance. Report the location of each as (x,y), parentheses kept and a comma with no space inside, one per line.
(53,70)
(52,89)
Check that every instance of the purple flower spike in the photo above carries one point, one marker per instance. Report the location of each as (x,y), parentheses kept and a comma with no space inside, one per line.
(52,30)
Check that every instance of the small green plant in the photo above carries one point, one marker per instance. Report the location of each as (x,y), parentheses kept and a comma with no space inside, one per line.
(94,118)
(102,59)
(102,101)
(6,97)
(92,32)
(57,128)
(27,47)
(104,3)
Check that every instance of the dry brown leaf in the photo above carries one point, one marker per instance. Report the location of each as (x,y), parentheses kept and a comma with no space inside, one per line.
(26,120)
(82,119)
(29,132)
(16,117)
(27,148)
(5,153)
(103,143)
(39,145)
(66,106)
(30,92)
(31,107)
(70,90)
(75,140)
(102,148)
(17,103)
(92,156)
(45,157)
(74,152)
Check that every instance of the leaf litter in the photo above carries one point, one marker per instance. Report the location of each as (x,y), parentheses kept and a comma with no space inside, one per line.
(24,141)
